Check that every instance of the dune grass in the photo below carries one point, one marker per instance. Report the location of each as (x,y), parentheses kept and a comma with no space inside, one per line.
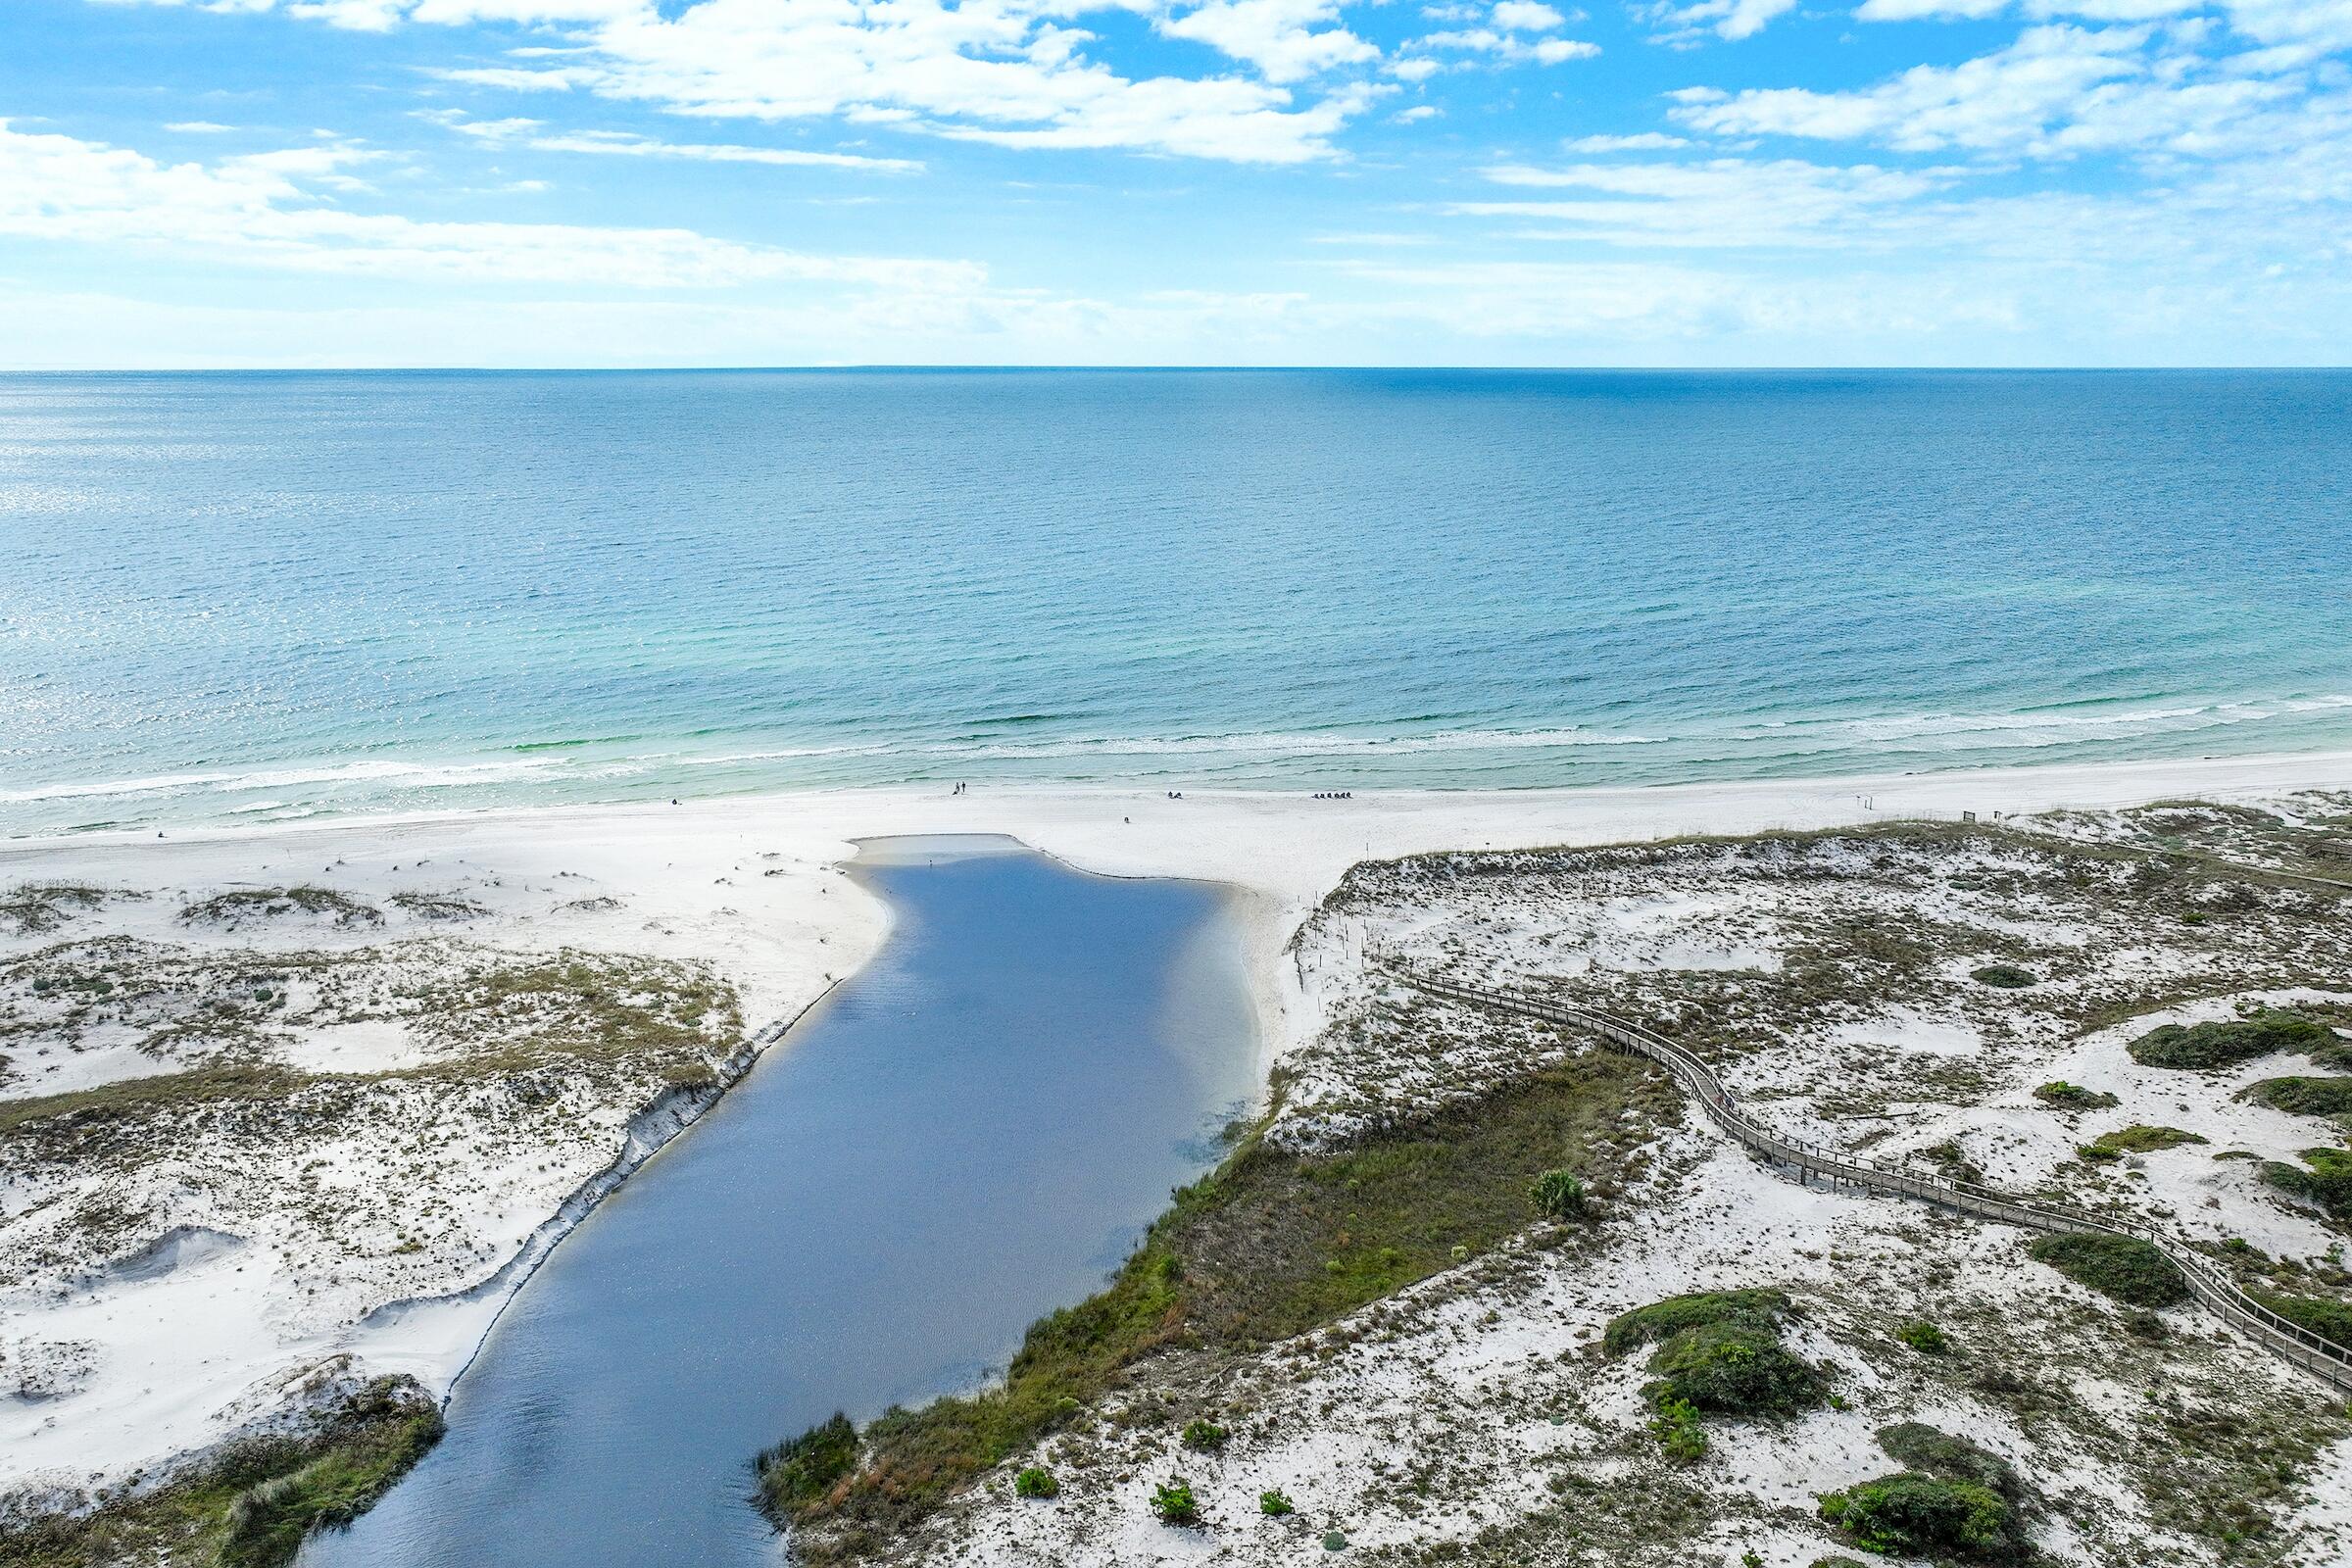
(1266,1247)
(252,1506)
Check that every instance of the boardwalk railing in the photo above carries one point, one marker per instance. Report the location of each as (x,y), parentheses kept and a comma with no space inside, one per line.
(2288,1340)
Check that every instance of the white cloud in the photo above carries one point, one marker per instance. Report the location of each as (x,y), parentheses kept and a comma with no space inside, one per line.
(1527,16)
(261,210)
(1638,142)
(1009,71)
(1415,115)
(1284,40)
(1720,204)
(1509,48)
(628,144)
(1726,19)
(197,127)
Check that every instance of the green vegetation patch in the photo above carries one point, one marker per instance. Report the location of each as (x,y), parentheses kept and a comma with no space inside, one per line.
(34,907)
(2303,1096)
(243,904)
(2074,1096)
(800,1472)
(2226,1044)
(2003,977)
(1918,1447)
(1928,1339)
(1734,1369)
(2136,1140)
(252,1507)
(2124,1267)
(2324,1177)
(1268,1246)
(1661,1320)
(1915,1515)
(2328,1319)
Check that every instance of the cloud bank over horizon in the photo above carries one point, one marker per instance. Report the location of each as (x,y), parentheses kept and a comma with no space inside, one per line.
(555,183)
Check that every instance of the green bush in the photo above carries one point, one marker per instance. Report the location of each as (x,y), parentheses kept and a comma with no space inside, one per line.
(1924,1337)
(1677,1429)
(1173,1501)
(2303,1096)
(1916,1446)
(1558,1194)
(2328,1319)
(2136,1140)
(1036,1482)
(2074,1096)
(1920,1516)
(2122,1266)
(2003,976)
(1204,1437)
(1736,1368)
(1660,1320)
(2324,1177)
(799,1470)
(2226,1044)
(1274,1505)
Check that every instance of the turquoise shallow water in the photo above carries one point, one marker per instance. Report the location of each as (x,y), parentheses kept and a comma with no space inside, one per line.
(256,597)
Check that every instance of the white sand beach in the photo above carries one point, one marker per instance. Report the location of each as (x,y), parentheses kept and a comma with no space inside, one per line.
(120,1370)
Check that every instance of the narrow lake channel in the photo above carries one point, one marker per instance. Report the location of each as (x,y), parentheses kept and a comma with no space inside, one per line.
(971,1132)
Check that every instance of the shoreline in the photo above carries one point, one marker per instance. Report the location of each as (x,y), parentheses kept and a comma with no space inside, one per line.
(785,939)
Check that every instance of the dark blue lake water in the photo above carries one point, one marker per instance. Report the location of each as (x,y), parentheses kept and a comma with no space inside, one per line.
(970,1133)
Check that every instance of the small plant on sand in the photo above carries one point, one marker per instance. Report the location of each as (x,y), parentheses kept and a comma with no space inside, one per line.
(1274,1505)
(1036,1482)
(1204,1437)
(1924,1337)
(2130,1270)
(2003,976)
(1558,1194)
(2138,1140)
(1677,1429)
(1750,1559)
(1173,1503)
(2074,1096)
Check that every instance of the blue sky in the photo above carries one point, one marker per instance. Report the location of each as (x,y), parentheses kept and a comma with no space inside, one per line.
(560,182)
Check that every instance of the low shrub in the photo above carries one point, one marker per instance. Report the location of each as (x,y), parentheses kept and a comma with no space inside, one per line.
(2136,1140)
(1916,1515)
(1036,1482)
(2074,1096)
(1204,1437)
(1734,1368)
(1924,1337)
(799,1470)
(2228,1042)
(2303,1096)
(2003,977)
(2324,1177)
(1172,1500)
(1918,1447)
(2328,1319)
(1558,1194)
(1677,1429)
(2125,1268)
(1274,1505)
(1659,1320)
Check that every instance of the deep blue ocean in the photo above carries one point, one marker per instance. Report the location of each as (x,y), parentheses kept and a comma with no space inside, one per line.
(254,597)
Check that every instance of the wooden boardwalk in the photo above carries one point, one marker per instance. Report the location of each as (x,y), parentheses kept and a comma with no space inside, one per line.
(2289,1341)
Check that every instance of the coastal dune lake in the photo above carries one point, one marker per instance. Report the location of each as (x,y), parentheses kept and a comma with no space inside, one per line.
(969,1133)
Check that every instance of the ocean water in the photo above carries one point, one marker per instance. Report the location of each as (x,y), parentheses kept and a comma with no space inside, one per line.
(971,1132)
(258,597)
